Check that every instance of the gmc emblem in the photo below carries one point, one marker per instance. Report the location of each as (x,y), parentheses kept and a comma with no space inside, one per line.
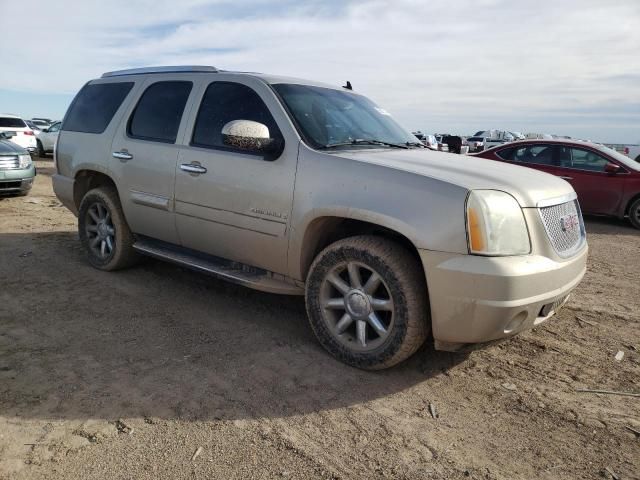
(569,223)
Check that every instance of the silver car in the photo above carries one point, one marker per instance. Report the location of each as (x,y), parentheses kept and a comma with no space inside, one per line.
(46,139)
(295,187)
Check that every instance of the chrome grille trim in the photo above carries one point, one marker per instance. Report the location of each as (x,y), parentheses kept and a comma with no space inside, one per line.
(551,202)
(8,162)
(565,243)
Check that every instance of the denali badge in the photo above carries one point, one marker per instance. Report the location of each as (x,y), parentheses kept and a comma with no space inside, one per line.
(268,213)
(568,223)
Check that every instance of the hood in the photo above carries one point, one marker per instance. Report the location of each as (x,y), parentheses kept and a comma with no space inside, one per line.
(7,147)
(527,185)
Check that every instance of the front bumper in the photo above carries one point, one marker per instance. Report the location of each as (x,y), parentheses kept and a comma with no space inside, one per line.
(478,299)
(16,181)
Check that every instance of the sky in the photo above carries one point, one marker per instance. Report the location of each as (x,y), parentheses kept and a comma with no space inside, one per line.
(569,67)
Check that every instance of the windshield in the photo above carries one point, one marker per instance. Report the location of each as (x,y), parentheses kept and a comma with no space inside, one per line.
(326,117)
(626,161)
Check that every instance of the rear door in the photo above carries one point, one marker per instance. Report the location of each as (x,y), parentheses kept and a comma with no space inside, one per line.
(145,151)
(238,207)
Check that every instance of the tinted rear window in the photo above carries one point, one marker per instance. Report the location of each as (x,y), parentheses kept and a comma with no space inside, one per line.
(94,107)
(9,122)
(159,111)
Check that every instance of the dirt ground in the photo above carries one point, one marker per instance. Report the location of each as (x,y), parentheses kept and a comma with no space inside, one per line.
(126,375)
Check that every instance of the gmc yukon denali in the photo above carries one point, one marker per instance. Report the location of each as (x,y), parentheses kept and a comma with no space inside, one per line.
(295,187)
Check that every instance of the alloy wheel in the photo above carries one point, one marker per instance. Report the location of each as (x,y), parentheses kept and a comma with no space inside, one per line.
(357,306)
(100,231)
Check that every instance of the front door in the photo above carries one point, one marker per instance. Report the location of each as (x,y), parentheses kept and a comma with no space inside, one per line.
(145,152)
(598,192)
(231,203)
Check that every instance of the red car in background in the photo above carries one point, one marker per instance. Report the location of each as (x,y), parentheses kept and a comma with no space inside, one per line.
(607,182)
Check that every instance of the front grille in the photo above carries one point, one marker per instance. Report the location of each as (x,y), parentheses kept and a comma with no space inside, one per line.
(10,185)
(565,235)
(8,162)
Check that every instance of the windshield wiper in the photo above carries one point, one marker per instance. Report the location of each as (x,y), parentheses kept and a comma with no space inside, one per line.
(362,141)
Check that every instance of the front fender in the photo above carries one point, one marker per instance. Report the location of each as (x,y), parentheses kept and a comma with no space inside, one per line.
(427,211)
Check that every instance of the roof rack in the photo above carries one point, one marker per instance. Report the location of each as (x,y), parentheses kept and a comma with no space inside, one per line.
(171,69)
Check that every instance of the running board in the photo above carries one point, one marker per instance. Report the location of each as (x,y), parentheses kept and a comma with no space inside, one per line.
(234,272)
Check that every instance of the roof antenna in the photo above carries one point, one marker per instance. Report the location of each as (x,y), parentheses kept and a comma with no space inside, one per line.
(348,85)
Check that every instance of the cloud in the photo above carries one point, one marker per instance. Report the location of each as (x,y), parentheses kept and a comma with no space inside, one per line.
(451,61)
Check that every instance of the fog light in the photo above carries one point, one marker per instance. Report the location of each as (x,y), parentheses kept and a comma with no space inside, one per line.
(516,322)
(546,310)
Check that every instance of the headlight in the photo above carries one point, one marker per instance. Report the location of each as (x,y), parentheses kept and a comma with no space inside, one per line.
(24,161)
(496,224)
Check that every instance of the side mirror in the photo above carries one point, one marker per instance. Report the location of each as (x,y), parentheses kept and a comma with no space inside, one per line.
(249,136)
(7,135)
(611,168)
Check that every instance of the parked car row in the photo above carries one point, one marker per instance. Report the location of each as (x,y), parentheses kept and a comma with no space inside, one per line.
(19,139)
(16,167)
(430,141)
(22,134)
(37,135)
(476,143)
(481,140)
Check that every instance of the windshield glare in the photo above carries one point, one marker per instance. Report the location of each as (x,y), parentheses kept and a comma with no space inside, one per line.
(328,117)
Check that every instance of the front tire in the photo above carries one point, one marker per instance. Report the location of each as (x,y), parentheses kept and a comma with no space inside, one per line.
(104,231)
(367,302)
(634,213)
(41,152)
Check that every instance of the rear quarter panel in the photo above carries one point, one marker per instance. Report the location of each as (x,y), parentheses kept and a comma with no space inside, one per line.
(77,151)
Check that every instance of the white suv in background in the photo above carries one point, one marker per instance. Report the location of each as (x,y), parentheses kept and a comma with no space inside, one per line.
(47,139)
(24,136)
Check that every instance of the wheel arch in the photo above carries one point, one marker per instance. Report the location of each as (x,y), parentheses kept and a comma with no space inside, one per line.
(325,230)
(86,180)
(629,203)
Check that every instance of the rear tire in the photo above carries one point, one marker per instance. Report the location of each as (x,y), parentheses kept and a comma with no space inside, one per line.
(367,302)
(104,231)
(634,213)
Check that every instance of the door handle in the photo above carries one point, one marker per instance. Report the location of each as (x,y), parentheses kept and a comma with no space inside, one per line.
(193,168)
(566,178)
(122,155)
